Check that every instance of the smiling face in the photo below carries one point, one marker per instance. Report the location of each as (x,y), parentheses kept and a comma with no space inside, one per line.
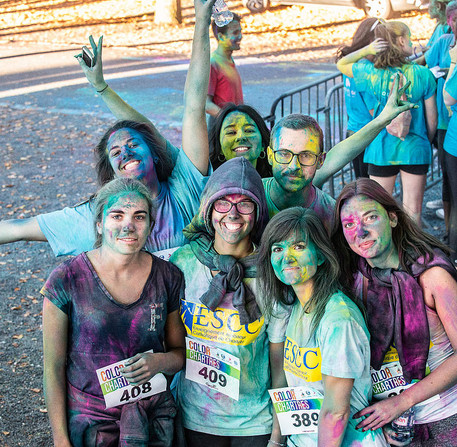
(293,177)
(125,224)
(367,228)
(232,227)
(232,38)
(294,260)
(240,137)
(130,156)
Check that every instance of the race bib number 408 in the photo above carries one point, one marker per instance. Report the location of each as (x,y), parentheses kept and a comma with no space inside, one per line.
(213,367)
(297,409)
(117,390)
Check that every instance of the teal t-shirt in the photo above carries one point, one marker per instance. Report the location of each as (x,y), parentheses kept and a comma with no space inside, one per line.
(70,231)
(438,56)
(206,410)
(340,347)
(387,149)
(358,103)
(450,142)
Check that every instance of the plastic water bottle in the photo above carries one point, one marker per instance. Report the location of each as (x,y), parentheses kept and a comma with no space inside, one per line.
(221,14)
(403,426)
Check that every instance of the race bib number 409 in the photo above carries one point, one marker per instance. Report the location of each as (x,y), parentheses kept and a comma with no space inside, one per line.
(117,390)
(213,367)
(297,409)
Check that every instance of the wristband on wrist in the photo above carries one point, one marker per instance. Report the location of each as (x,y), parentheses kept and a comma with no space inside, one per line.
(103,89)
(276,443)
(453,62)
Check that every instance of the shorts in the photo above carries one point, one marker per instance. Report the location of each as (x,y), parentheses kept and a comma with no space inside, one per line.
(391,170)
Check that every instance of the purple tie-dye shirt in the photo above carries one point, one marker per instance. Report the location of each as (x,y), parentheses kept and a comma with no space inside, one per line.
(102,331)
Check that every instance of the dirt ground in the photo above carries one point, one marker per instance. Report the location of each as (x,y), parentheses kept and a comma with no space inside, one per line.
(47,158)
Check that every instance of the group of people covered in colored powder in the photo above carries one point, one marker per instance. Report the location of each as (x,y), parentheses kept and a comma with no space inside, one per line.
(242,281)
(378,50)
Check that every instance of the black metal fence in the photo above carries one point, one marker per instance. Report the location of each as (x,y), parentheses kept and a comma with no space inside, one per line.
(324,101)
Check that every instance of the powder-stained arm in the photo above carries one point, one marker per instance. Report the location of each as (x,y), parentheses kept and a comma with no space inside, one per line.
(345,151)
(345,63)
(119,108)
(278,380)
(194,130)
(14,230)
(55,333)
(335,410)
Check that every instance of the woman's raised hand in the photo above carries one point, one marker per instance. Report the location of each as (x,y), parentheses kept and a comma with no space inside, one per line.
(94,74)
(377,46)
(203,10)
(395,104)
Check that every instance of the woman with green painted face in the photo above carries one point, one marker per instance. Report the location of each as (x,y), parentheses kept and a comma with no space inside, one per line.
(407,149)
(239,131)
(326,348)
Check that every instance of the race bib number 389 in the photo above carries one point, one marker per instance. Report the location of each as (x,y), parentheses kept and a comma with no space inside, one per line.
(213,367)
(117,391)
(297,409)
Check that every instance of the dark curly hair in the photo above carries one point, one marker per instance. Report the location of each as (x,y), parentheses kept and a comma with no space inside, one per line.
(105,172)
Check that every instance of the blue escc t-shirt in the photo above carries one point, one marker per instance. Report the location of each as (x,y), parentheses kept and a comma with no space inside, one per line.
(71,231)
(358,103)
(450,142)
(386,149)
(438,55)
(339,347)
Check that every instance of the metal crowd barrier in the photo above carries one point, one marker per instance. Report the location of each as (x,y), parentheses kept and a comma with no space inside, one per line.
(324,101)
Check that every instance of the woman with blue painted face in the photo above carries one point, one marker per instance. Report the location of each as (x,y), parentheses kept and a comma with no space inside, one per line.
(133,148)
(324,359)
(404,146)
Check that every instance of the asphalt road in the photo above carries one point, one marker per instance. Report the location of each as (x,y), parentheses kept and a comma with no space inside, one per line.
(53,81)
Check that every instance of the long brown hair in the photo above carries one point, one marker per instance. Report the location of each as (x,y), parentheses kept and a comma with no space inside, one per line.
(410,241)
(393,56)
(364,35)
(297,222)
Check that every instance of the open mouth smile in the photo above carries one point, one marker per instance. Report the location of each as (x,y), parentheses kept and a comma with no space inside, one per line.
(232,226)
(130,165)
(241,149)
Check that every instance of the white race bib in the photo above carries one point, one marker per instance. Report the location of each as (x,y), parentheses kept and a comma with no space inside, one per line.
(117,391)
(297,409)
(213,367)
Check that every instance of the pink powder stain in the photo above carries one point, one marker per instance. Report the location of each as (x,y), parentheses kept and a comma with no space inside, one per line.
(338,429)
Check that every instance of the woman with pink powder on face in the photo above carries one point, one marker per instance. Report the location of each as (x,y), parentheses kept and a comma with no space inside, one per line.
(409,287)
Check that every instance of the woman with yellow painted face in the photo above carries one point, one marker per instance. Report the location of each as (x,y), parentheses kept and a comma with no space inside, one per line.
(322,367)
(239,131)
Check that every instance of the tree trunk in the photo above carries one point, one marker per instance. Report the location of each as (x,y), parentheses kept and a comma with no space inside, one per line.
(168,12)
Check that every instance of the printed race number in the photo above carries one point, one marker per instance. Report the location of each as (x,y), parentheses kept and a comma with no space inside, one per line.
(135,392)
(297,409)
(213,376)
(305,419)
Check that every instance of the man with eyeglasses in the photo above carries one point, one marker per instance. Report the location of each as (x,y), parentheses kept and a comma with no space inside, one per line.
(296,155)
